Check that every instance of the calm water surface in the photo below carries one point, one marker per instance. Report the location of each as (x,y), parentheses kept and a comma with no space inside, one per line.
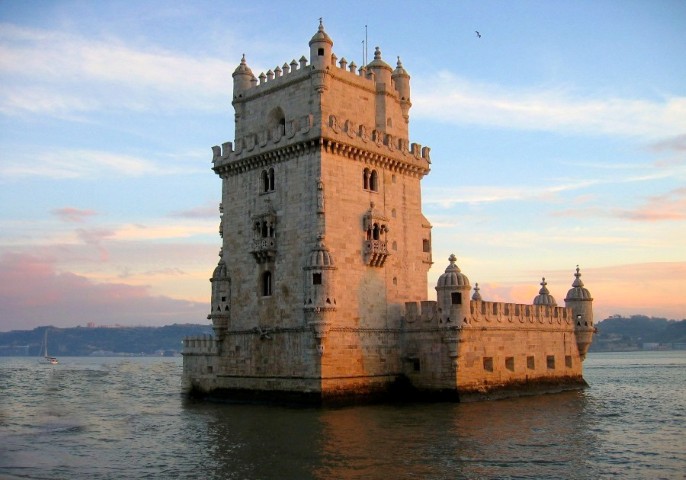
(102,418)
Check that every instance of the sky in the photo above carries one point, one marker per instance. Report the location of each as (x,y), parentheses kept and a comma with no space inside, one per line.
(558,138)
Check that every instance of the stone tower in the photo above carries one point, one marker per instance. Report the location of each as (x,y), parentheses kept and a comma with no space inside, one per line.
(580,301)
(323,237)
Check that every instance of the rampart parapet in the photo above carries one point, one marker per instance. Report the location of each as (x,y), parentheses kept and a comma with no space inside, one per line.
(201,345)
(345,137)
(484,312)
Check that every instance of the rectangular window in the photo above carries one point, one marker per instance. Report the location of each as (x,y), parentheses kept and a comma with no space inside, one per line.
(426,245)
(568,361)
(550,362)
(509,363)
(316,279)
(456,298)
(530,363)
(488,364)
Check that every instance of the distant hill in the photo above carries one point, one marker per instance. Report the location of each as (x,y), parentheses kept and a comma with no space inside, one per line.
(619,333)
(614,334)
(81,341)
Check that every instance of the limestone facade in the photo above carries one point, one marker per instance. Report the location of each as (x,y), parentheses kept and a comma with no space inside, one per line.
(320,290)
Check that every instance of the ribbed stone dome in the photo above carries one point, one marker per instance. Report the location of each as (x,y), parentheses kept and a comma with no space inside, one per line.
(242,68)
(378,62)
(320,257)
(399,70)
(544,297)
(320,36)
(220,270)
(578,292)
(453,277)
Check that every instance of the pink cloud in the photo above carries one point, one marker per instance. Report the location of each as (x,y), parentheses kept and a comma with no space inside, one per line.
(672,144)
(670,206)
(72,215)
(34,293)
(209,210)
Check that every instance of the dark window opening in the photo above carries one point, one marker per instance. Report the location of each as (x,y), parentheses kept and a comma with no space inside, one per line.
(509,363)
(550,361)
(320,52)
(374,181)
(375,232)
(456,298)
(568,361)
(530,363)
(316,279)
(266,284)
(488,364)
(426,245)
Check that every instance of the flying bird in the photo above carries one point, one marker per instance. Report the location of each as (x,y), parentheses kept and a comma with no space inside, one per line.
(477,33)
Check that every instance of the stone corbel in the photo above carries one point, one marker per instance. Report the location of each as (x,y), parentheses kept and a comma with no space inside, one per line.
(320,330)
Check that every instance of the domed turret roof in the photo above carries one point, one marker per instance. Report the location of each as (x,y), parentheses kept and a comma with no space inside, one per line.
(544,297)
(320,257)
(377,62)
(220,270)
(321,35)
(242,68)
(399,70)
(453,277)
(578,292)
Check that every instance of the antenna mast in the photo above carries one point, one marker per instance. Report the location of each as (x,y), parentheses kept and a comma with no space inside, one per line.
(366,45)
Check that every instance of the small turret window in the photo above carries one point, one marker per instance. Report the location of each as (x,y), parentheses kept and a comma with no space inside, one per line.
(456,298)
(320,52)
(316,279)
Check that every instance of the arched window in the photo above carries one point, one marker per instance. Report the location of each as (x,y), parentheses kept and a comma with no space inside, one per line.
(267,181)
(365,175)
(373,181)
(267,284)
(276,118)
(375,233)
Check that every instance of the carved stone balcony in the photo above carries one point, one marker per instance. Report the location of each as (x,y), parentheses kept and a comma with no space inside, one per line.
(375,252)
(263,249)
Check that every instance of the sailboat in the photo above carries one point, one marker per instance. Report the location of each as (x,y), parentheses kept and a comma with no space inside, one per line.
(44,351)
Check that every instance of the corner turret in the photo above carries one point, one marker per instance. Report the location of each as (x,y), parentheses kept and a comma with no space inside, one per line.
(452,291)
(320,48)
(221,298)
(320,300)
(243,79)
(401,80)
(580,301)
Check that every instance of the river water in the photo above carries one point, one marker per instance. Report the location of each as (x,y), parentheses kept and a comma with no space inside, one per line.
(113,418)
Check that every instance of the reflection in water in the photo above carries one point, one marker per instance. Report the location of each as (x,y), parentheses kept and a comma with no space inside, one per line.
(519,437)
